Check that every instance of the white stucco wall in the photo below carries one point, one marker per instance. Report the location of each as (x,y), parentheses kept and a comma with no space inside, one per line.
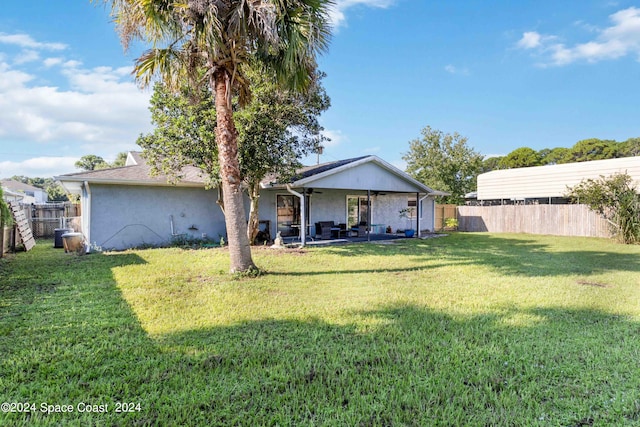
(128,216)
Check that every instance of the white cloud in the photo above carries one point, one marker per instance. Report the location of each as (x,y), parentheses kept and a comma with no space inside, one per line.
(620,39)
(39,167)
(26,56)
(50,62)
(100,107)
(25,41)
(530,40)
(336,137)
(451,69)
(337,14)
(96,110)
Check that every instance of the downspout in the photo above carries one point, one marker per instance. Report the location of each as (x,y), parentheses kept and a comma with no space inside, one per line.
(420,210)
(86,214)
(303,216)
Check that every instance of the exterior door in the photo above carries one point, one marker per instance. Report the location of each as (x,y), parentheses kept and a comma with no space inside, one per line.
(288,215)
(357,210)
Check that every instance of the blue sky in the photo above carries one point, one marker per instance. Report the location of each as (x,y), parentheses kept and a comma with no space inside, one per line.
(504,74)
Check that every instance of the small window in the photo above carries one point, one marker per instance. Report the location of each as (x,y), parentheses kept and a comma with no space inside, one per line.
(411,204)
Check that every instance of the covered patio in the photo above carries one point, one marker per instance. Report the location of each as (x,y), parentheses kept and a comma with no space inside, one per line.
(360,199)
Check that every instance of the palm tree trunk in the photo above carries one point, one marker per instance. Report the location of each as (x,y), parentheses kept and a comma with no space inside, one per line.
(254,222)
(227,141)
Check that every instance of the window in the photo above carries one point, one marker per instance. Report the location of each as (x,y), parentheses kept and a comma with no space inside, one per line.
(411,204)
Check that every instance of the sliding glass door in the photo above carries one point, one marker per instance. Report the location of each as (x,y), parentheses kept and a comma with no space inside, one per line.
(357,211)
(288,215)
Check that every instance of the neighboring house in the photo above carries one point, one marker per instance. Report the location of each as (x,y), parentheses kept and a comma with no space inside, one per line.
(30,194)
(126,207)
(547,184)
(11,196)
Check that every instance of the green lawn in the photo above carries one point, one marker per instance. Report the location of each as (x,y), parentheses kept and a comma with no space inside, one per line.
(469,329)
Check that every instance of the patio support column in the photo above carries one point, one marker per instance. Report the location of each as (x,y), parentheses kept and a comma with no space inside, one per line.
(303,216)
(368,215)
(418,214)
(420,211)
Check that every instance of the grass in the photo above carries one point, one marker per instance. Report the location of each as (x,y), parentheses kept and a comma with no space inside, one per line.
(471,329)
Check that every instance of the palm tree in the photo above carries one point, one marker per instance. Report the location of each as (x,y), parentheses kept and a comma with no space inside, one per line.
(221,37)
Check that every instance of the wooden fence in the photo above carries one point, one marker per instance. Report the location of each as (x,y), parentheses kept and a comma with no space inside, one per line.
(46,218)
(557,220)
(442,213)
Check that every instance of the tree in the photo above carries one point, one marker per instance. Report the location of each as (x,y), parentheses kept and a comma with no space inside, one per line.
(121,160)
(553,156)
(490,164)
(220,36)
(630,148)
(444,162)
(616,199)
(55,192)
(5,214)
(91,162)
(522,157)
(591,149)
(275,130)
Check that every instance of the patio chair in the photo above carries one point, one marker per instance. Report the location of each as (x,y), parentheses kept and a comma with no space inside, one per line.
(325,229)
(360,230)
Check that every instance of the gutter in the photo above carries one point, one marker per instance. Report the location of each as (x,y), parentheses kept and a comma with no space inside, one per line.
(303,218)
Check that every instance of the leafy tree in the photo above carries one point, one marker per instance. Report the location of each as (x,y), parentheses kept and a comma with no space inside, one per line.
(121,160)
(617,200)
(220,36)
(444,162)
(553,156)
(591,149)
(91,162)
(5,213)
(275,130)
(490,164)
(55,192)
(522,157)
(630,148)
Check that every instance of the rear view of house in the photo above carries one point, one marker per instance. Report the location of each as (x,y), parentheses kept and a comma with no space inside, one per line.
(127,207)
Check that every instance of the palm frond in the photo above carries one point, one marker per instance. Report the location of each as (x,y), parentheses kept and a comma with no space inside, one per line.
(167,63)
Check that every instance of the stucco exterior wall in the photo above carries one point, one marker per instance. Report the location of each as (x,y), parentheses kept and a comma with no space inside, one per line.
(367,176)
(129,216)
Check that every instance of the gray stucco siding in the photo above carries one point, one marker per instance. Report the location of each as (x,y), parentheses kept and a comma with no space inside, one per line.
(367,176)
(129,216)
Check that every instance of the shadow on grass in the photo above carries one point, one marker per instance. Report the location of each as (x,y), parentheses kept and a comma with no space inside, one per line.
(406,365)
(76,339)
(67,337)
(522,256)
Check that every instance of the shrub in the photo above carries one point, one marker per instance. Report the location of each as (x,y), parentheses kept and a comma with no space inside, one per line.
(616,199)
